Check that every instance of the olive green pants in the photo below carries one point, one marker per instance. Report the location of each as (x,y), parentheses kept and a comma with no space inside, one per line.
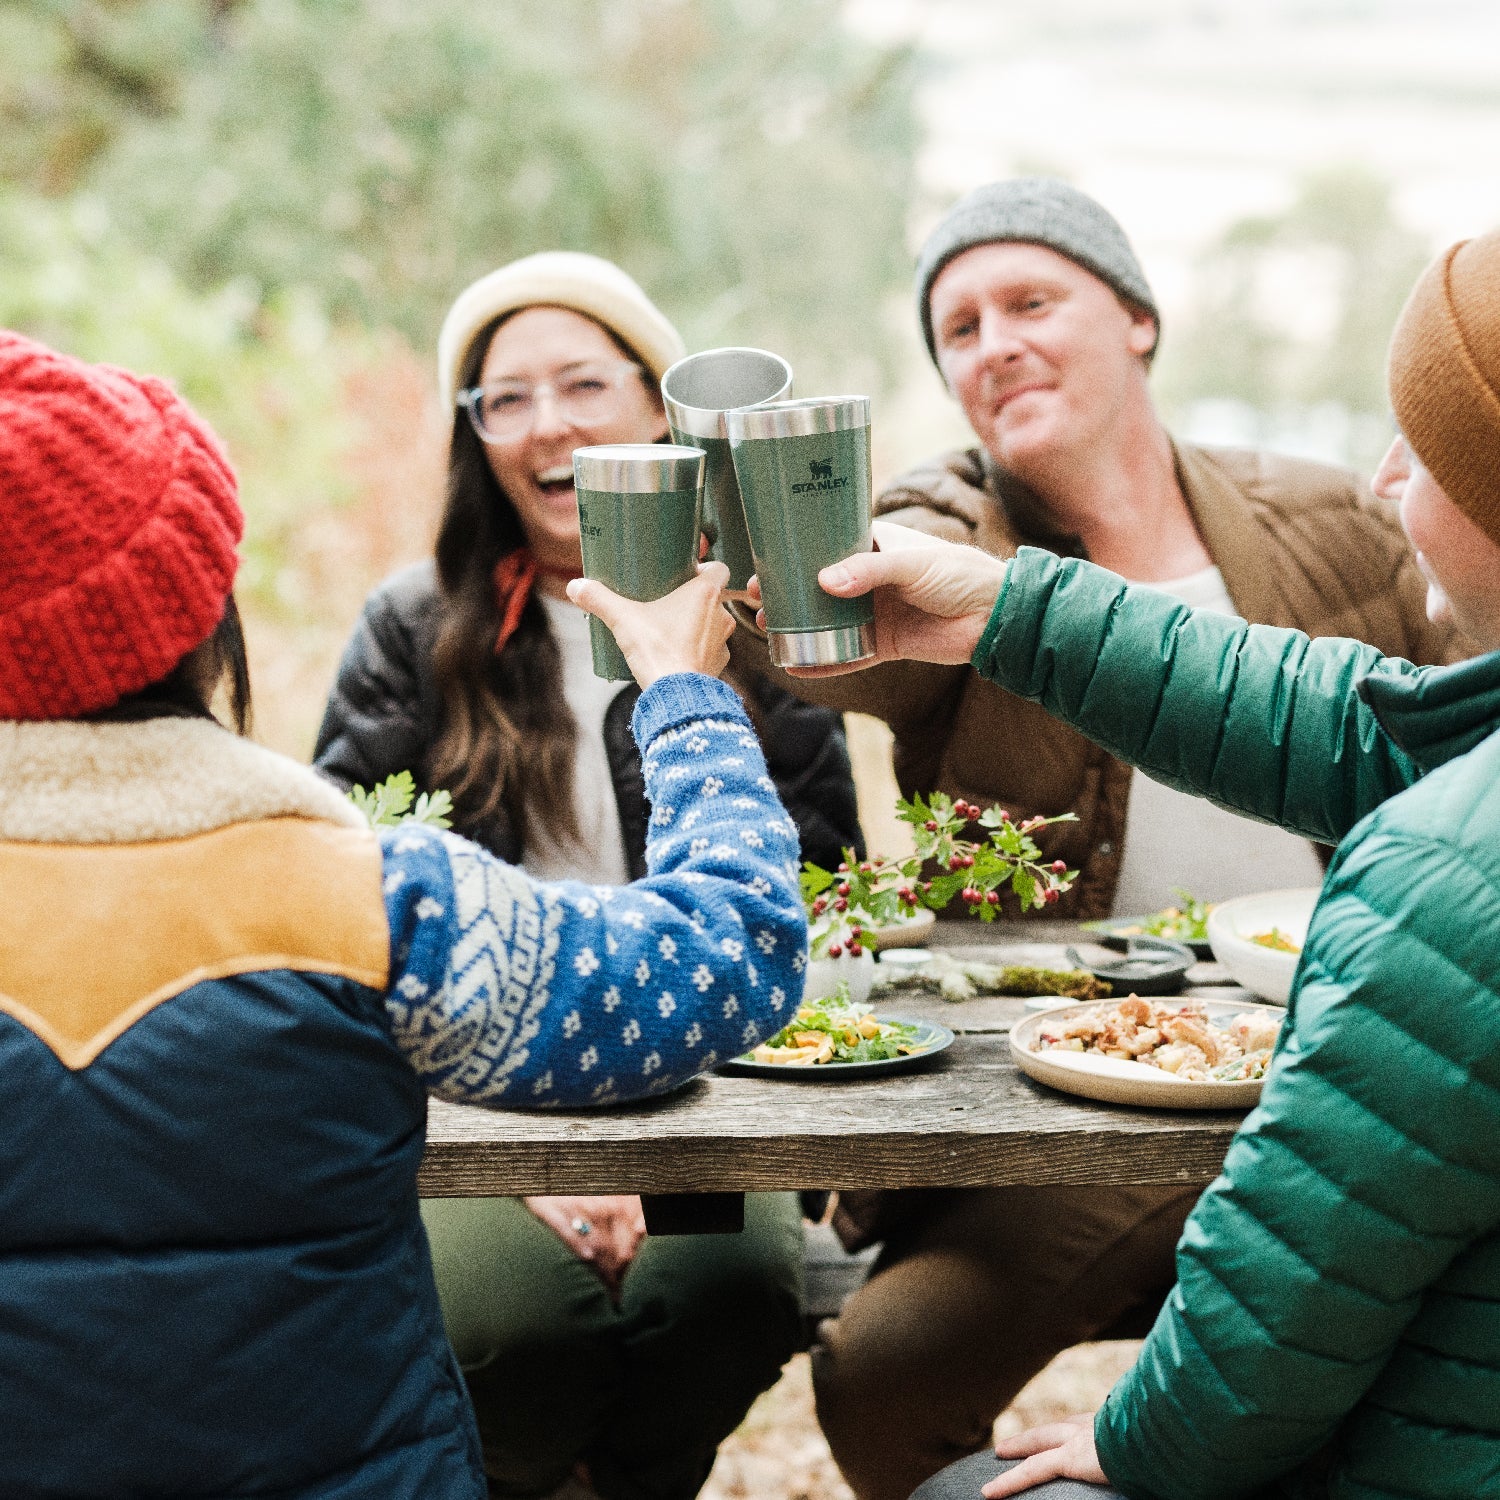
(642,1392)
(973,1293)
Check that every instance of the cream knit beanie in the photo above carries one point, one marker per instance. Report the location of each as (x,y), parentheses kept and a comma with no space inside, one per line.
(1444,374)
(557,278)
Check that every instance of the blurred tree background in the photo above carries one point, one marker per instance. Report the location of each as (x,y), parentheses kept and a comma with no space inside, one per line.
(272,203)
(1284,346)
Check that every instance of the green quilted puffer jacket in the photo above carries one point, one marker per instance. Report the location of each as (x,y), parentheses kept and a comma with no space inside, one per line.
(1335,1328)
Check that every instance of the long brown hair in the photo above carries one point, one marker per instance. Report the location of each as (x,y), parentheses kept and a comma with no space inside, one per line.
(506,738)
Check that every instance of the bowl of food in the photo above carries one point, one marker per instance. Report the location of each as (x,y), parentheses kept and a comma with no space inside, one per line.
(1259,939)
(1192,1054)
(1187,922)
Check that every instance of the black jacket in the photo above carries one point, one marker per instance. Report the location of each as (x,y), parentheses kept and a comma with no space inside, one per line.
(384,710)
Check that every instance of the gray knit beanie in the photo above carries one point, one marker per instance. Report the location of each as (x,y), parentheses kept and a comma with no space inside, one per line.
(1036,211)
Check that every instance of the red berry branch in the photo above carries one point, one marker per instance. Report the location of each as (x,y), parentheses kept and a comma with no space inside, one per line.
(844,904)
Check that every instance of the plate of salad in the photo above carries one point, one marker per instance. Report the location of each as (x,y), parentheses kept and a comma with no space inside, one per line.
(833,1038)
(1187,922)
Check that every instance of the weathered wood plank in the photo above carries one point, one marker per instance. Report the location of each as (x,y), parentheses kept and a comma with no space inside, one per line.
(972,1120)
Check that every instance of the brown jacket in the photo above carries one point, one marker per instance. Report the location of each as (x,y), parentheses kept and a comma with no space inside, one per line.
(1299,544)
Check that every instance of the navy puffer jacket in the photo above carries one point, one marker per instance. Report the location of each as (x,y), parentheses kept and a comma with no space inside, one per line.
(224,1001)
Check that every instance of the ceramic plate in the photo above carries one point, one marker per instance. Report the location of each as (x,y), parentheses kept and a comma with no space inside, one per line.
(932,1037)
(1118,1082)
(1115,932)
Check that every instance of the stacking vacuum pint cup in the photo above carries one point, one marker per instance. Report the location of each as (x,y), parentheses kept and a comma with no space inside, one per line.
(697,392)
(804,476)
(639,514)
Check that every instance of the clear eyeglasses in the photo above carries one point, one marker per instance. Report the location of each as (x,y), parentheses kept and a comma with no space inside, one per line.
(586,395)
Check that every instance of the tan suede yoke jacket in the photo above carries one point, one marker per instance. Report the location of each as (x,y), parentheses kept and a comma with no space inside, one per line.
(1299,544)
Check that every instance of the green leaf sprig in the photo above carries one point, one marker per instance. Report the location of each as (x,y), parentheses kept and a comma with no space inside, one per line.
(843,905)
(395,801)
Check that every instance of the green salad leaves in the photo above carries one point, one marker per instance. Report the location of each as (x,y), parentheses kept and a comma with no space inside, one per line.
(834,1031)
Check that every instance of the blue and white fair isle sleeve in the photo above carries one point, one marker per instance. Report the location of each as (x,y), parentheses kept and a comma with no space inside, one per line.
(507,991)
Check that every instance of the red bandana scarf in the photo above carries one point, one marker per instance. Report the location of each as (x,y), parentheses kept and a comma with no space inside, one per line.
(515,578)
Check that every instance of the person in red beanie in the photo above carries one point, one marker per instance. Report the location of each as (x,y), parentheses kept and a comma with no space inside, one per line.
(117,534)
(224,999)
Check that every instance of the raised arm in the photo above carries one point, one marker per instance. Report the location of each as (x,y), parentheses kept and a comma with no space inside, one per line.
(508,992)
(1260,720)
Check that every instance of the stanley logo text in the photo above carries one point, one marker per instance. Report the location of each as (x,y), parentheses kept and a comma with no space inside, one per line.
(820,477)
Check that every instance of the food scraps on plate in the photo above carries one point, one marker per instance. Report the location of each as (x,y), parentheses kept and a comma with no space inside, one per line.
(1179,1039)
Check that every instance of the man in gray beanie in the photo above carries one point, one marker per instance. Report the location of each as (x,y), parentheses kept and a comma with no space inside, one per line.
(1035,211)
(1042,324)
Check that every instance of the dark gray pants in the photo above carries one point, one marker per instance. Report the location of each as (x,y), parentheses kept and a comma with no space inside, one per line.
(964,1480)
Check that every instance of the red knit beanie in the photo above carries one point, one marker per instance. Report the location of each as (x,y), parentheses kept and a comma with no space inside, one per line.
(118,526)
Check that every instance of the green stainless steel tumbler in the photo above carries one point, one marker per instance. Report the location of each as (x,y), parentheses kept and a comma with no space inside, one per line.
(639,516)
(804,476)
(697,392)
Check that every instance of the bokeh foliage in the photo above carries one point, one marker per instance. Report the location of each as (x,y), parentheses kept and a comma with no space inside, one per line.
(269,375)
(1294,309)
(273,202)
(750,162)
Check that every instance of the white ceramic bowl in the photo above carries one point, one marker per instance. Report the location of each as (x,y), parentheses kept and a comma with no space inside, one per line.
(1233,924)
(889,961)
(824,975)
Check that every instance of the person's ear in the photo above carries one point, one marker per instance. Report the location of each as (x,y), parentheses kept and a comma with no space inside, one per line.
(1394,471)
(1144,331)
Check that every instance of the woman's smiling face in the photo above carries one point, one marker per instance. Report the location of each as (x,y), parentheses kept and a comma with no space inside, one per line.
(542,345)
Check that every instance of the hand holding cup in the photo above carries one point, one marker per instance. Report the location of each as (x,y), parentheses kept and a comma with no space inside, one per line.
(686,631)
(639,509)
(932,598)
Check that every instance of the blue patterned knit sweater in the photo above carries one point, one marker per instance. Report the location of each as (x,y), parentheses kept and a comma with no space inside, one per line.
(508,991)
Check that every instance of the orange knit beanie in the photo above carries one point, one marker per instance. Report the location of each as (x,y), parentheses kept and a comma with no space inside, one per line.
(1444,375)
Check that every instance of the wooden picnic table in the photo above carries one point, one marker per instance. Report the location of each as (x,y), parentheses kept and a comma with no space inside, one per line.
(970,1119)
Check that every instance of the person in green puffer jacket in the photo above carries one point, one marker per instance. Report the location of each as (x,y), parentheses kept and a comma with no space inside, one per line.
(1335,1328)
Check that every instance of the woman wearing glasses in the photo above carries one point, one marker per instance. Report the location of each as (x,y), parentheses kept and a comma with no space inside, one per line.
(473,671)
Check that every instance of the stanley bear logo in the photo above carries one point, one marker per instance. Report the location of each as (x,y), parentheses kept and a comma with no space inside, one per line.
(820,478)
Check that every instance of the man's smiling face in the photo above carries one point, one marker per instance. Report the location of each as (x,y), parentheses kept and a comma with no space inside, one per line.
(1039,352)
(1459,560)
